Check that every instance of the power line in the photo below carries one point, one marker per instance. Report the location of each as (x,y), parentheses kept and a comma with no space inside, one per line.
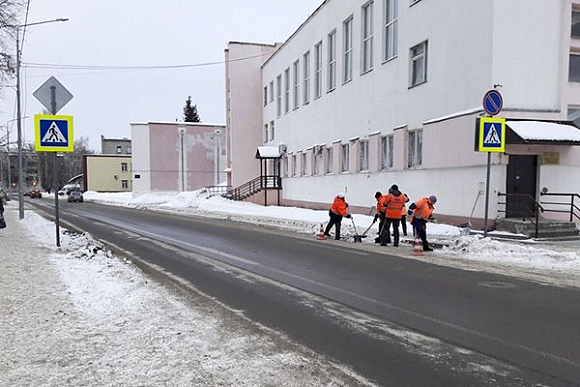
(55,66)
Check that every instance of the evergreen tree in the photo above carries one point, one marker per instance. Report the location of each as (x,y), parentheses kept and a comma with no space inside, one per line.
(190,111)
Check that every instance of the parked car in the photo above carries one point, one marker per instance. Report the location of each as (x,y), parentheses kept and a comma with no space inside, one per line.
(75,196)
(35,193)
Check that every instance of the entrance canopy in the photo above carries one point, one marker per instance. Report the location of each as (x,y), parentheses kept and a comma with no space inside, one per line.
(267,152)
(542,133)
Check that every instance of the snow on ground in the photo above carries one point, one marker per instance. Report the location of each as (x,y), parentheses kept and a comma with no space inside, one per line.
(78,316)
(556,263)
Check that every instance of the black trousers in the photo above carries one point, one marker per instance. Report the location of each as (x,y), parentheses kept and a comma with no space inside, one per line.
(420,227)
(335,220)
(386,235)
(404,224)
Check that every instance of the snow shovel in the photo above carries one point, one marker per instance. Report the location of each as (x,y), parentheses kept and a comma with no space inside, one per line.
(364,234)
(357,238)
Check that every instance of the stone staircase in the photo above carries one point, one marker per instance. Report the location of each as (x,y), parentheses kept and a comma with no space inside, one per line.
(547,229)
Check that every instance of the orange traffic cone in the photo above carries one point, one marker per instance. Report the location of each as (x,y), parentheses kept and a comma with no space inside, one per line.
(417,251)
(320,236)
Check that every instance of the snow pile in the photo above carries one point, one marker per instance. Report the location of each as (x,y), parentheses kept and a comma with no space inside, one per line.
(485,249)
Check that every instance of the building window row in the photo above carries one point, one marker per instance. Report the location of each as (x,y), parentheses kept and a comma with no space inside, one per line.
(322,157)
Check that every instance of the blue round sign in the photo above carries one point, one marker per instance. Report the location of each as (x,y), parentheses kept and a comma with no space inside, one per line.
(492,102)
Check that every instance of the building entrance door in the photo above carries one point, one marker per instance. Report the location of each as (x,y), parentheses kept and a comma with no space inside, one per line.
(521,186)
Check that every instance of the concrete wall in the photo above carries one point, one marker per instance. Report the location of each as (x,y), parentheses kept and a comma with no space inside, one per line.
(244,108)
(104,173)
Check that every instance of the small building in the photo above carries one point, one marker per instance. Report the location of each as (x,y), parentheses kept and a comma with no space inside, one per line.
(177,156)
(107,173)
(115,146)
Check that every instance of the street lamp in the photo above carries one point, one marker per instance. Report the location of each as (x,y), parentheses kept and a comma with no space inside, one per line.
(18,117)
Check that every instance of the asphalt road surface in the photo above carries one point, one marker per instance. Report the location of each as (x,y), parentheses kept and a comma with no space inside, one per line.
(395,320)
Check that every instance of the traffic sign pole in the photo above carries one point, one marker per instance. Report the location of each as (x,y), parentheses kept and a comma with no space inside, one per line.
(55,173)
(485,219)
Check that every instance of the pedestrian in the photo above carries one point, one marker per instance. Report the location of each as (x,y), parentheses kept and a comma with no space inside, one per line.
(393,203)
(404,215)
(338,210)
(422,212)
(380,215)
(2,201)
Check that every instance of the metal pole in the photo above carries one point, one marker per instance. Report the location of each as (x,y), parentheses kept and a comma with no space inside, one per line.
(487,194)
(55,172)
(19,125)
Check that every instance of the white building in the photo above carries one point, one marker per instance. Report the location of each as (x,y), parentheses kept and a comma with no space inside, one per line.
(366,94)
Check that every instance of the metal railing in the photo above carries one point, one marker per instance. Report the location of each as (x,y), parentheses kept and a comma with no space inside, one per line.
(215,190)
(254,186)
(572,208)
(530,208)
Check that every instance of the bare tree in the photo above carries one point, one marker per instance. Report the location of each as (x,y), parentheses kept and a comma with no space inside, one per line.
(9,12)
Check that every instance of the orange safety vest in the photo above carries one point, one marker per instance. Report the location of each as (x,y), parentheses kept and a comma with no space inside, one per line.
(404,210)
(394,205)
(381,204)
(339,206)
(424,209)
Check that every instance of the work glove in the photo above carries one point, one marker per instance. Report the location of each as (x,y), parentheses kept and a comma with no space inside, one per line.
(348,216)
(410,212)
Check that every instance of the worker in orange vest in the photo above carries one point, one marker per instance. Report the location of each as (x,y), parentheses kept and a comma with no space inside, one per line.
(393,203)
(338,210)
(380,215)
(422,212)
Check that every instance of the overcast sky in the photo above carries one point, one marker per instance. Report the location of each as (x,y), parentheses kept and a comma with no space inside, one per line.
(141,33)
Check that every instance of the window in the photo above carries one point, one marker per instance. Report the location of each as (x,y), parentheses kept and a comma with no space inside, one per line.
(124,184)
(285,166)
(344,158)
(573,112)
(287,90)
(303,164)
(329,160)
(317,160)
(265,95)
(296,84)
(347,58)
(271,91)
(390,38)
(318,70)
(576,24)
(419,64)
(119,149)
(367,35)
(124,167)
(574,71)
(278,96)
(386,160)
(363,156)
(331,60)
(295,165)
(415,148)
(266,133)
(306,72)
(128,150)
(272,131)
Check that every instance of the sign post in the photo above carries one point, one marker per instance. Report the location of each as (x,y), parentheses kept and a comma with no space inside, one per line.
(491,139)
(54,133)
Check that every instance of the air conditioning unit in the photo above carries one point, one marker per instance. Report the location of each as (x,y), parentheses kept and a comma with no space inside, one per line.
(318,149)
(282,149)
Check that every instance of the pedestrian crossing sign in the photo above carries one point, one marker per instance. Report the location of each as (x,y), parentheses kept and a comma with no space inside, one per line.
(53,133)
(492,134)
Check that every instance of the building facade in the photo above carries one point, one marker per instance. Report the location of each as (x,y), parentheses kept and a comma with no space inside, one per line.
(115,146)
(366,94)
(107,173)
(177,156)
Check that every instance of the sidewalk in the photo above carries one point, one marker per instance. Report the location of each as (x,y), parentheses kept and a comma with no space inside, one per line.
(79,317)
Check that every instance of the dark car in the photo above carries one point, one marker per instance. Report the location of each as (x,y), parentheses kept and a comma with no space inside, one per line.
(35,193)
(75,196)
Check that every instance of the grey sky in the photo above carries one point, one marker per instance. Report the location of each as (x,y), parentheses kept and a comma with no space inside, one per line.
(141,33)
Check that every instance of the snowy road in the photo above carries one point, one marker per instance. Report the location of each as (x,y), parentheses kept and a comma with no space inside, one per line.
(475,309)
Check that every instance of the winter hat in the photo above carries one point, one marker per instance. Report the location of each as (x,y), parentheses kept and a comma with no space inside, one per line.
(341,195)
(433,198)
(395,187)
(378,194)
